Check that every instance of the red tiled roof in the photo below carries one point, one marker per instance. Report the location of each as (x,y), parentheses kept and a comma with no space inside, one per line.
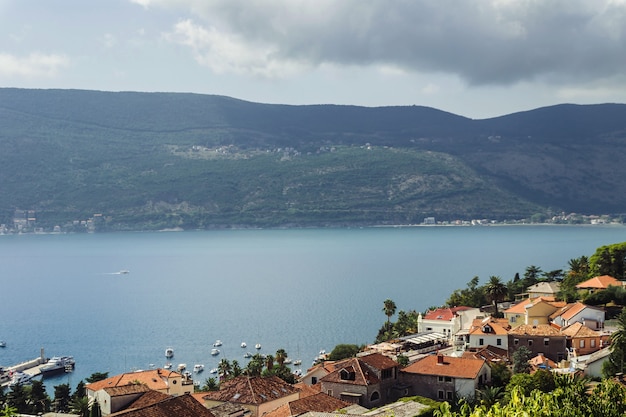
(378,361)
(321,402)
(579,330)
(453,367)
(308,390)
(601,282)
(155,379)
(535,330)
(444,314)
(149,398)
(496,326)
(180,406)
(252,390)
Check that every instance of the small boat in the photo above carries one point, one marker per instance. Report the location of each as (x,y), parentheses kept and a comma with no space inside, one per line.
(169,352)
(257,346)
(297,372)
(196,383)
(123,272)
(297,362)
(213,371)
(187,375)
(197,368)
(247,355)
(4,344)
(167,365)
(217,343)
(181,367)
(244,345)
(287,361)
(215,352)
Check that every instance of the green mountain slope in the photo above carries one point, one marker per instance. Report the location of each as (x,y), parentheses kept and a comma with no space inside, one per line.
(159,160)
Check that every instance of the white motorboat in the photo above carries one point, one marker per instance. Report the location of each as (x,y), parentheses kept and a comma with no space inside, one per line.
(257,346)
(57,364)
(247,355)
(297,362)
(197,368)
(3,343)
(217,343)
(169,352)
(20,378)
(215,352)
(181,367)
(213,371)
(287,361)
(167,365)
(244,345)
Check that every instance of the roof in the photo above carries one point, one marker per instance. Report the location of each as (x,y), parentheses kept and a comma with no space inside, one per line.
(520,308)
(127,389)
(489,353)
(579,330)
(320,402)
(535,330)
(180,406)
(252,390)
(378,361)
(545,287)
(307,390)
(156,379)
(149,398)
(541,362)
(466,368)
(362,369)
(445,313)
(601,282)
(489,325)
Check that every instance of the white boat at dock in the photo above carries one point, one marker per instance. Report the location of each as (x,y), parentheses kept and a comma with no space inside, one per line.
(58,364)
(197,368)
(20,378)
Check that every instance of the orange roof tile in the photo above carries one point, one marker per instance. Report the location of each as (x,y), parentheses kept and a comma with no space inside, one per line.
(180,406)
(445,314)
(451,366)
(535,330)
(252,390)
(155,379)
(489,325)
(600,282)
(579,330)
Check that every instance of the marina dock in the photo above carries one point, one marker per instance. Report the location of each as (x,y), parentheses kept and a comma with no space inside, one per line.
(31,367)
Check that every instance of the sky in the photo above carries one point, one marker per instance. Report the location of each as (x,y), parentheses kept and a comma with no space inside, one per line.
(475,58)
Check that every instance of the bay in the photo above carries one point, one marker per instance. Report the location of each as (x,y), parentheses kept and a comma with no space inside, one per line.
(300,290)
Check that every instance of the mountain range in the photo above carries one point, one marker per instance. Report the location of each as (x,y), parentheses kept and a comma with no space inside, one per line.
(139,161)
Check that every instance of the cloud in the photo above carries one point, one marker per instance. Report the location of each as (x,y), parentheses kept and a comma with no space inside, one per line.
(33,65)
(497,42)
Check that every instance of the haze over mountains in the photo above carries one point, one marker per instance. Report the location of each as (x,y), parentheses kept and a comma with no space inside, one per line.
(162,160)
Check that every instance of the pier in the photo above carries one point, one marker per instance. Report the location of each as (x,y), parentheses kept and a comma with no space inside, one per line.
(31,367)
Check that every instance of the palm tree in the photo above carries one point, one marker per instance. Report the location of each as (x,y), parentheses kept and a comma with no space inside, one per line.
(80,406)
(224,368)
(8,411)
(389,309)
(255,366)
(269,362)
(618,344)
(496,290)
(281,355)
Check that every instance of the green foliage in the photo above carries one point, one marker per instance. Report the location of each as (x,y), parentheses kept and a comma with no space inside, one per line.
(472,296)
(343,351)
(500,375)
(609,260)
(520,360)
(62,398)
(97,376)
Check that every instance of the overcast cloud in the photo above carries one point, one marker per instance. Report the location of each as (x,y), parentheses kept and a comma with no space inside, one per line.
(475,58)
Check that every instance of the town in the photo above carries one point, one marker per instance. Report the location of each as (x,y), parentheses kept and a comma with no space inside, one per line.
(546,337)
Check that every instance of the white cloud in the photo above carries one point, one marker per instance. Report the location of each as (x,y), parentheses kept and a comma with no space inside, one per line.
(33,65)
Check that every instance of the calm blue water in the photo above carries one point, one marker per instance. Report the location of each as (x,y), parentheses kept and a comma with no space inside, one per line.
(300,290)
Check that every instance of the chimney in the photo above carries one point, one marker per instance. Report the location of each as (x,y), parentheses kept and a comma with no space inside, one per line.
(439,359)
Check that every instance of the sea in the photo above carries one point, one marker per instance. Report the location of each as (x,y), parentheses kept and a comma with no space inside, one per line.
(302,290)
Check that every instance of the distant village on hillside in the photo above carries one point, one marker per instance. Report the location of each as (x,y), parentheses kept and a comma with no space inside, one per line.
(25,221)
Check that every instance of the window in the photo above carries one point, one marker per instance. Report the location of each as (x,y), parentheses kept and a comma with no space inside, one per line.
(440,378)
(530,343)
(313,380)
(582,343)
(329,392)
(499,342)
(429,328)
(440,394)
(448,379)
(375,396)
(513,319)
(592,343)
(515,341)
(481,341)
(546,341)
(449,395)
(386,373)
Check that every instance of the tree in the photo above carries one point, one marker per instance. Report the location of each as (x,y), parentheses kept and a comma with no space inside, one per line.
(495,290)
(210,384)
(520,360)
(236,369)
(343,351)
(8,411)
(61,397)
(281,355)
(94,409)
(609,260)
(255,366)
(80,406)
(39,399)
(615,363)
(531,276)
(80,390)
(488,396)
(18,398)
(389,308)
(269,362)
(403,360)
(97,376)
(224,369)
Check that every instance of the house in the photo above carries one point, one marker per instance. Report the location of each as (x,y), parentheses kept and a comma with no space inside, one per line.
(447,320)
(489,331)
(598,283)
(581,340)
(493,355)
(592,365)
(544,289)
(115,392)
(532,311)
(257,394)
(444,377)
(370,380)
(317,372)
(539,339)
(179,406)
(541,362)
(592,317)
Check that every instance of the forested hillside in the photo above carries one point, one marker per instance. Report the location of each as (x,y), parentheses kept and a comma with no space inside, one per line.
(163,160)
